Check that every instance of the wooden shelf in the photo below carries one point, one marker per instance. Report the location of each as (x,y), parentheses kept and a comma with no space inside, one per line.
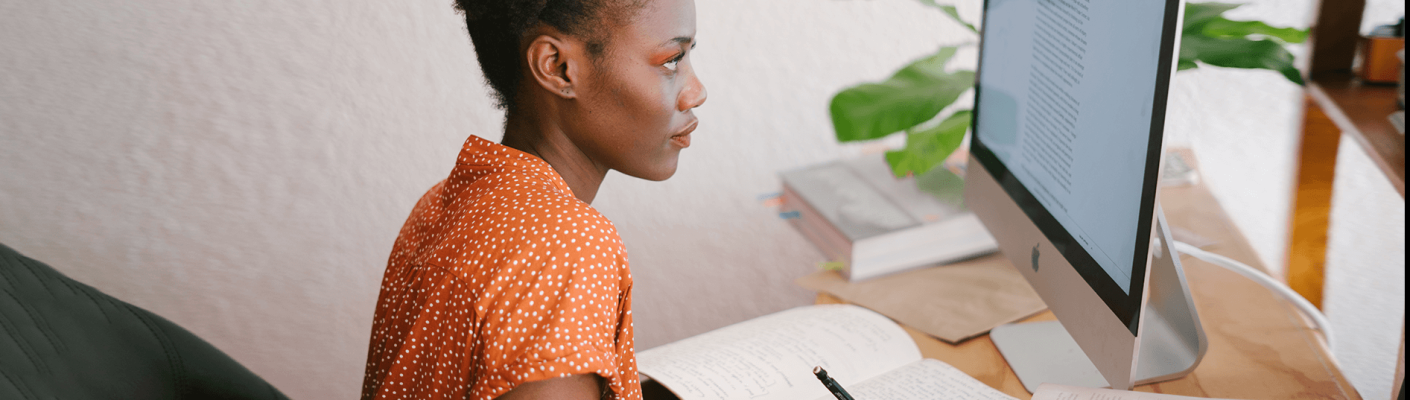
(1361,110)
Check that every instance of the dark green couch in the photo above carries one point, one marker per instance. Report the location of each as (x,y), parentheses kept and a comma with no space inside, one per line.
(61,339)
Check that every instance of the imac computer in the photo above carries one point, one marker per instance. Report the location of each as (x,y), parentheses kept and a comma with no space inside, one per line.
(1070,102)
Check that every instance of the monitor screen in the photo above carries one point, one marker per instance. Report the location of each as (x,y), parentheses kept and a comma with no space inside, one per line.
(1070,100)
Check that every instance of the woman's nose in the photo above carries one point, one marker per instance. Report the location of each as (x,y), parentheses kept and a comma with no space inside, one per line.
(693,95)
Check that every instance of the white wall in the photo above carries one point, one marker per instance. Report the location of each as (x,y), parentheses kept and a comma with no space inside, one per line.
(242,168)
(1365,282)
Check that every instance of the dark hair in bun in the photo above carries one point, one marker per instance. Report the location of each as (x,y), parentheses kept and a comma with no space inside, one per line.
(497,26)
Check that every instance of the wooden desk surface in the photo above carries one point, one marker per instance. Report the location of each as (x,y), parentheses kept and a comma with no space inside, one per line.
(1259,345)
(1360,110)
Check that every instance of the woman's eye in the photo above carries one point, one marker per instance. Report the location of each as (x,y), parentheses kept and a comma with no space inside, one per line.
(671,65)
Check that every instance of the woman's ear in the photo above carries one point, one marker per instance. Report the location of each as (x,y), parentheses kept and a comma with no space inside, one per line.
(555,62)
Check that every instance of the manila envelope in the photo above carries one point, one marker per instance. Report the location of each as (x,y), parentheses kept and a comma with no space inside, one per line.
(952,302)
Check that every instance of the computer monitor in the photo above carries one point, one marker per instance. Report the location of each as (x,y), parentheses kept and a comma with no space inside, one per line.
(1065,161)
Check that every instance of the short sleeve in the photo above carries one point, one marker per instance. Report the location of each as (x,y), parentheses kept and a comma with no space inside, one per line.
(500,277)
(558,314)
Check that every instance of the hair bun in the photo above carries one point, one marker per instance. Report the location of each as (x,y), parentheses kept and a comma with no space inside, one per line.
(471,9)
(517,12)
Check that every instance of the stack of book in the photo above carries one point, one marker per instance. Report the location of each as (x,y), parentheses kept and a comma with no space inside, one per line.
(856,212)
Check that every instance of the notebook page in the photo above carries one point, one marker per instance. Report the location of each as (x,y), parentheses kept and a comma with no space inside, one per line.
(923,380)
(772,357)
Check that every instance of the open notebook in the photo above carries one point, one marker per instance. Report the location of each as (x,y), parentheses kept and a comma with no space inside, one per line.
(772,357)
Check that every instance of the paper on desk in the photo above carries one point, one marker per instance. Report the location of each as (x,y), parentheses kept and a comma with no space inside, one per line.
(924,380)
(1050,391)
(952,302)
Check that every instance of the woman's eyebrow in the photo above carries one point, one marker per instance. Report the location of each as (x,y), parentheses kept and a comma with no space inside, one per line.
(680,41)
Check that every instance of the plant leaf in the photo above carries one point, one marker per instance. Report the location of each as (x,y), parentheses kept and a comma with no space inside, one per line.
(1240,53)
(952,12)
(1186,64)
(1199,14)
(1220,27)
(943,185)
(1210,38)
(913,95)
(926,148)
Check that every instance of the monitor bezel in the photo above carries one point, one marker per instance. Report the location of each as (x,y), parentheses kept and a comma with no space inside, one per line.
(1126,306)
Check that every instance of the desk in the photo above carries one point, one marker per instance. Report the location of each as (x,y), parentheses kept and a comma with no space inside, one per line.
(1259,345)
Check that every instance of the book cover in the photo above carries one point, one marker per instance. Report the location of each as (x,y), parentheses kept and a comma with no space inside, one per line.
(855,211)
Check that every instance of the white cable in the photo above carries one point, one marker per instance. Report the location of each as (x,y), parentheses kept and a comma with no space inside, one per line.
(1263,279)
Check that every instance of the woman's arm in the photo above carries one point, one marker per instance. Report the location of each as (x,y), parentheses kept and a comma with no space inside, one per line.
(573,387)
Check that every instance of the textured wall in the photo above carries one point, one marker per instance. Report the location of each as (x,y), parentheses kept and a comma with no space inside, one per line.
(243,167)
(1365,286)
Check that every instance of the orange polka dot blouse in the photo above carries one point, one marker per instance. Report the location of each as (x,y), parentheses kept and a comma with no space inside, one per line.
(501,277)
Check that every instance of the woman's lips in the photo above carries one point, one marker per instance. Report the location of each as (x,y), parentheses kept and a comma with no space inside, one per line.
(682,138)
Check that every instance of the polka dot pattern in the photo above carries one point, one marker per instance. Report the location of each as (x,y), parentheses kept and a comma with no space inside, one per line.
(501,277)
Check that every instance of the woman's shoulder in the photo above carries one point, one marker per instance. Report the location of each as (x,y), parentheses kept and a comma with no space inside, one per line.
(508,210)
(528,196)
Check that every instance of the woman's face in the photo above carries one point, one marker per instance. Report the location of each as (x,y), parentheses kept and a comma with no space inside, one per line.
(635,110)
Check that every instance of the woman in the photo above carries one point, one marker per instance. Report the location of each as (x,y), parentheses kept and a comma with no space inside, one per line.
(504,282)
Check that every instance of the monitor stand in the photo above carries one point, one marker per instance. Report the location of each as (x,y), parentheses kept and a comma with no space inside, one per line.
(1172,341)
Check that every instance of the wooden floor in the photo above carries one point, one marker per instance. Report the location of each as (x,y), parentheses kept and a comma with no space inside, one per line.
(1312,203)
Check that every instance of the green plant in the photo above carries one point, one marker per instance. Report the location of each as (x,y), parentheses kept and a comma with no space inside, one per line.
(910,99)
